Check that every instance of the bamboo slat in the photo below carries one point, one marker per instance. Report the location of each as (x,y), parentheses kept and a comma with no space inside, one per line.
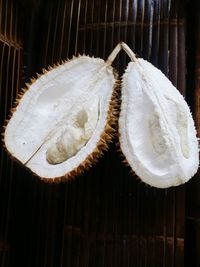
(192,236)
(106,217)
(10,80)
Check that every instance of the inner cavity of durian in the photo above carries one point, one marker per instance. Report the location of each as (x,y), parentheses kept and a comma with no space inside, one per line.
(179,121)
(74,135)
(181,125)
(156,132)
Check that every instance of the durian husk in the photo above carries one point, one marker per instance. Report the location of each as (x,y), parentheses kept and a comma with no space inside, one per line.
(106,137)
(180,159)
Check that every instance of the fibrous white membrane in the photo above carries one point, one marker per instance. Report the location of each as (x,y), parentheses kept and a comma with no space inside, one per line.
(157,133)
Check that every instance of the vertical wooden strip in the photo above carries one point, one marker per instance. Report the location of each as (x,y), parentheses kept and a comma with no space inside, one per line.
(8,16)
(1,10)
(3,48)
(5,169)
(49,226)
(62,256)
(192,231)
(148,26)
(55,32)
(5,161)
(110,27)
(96,218)
(4,17)
(105,5)
(116,29)
(77,26)
(18,36)
(8,84)
(13,21)
(155,33)
(181,56)
(164,36)
(117,221)
(197,71)
(66,248)
(90,32)
(47,37)
(132,27)
(139,27)
(64,7)
(119,7)
(179,228)
(66,22)
(9,164)
(7,91)
(82,25)
(125,16)
(79,216)
(69,27)
(173,70)
(85,19)
(95,29)
(69,226)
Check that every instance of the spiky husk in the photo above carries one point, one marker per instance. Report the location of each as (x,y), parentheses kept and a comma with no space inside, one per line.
(105,138)
(155,183)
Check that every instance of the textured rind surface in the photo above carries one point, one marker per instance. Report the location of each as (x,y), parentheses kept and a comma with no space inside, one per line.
(145,89)
(105,138)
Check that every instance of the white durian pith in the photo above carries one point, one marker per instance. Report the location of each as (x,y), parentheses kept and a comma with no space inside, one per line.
(156,130)
(63,120)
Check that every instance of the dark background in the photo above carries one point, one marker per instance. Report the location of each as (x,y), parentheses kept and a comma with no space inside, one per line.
(106,217)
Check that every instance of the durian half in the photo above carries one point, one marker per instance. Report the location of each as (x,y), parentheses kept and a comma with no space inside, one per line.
(156,129)
(65,118)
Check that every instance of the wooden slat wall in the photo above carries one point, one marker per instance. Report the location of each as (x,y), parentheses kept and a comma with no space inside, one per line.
(192,236)
(105,217)
(11,49)
(111,219)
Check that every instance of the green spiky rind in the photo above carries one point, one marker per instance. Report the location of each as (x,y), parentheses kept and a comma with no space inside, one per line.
(106,137)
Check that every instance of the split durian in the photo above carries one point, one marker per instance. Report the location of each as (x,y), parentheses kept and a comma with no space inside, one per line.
(65,118)
(156,130)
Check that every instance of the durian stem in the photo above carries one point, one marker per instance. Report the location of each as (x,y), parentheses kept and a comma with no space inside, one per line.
(114,53)
(128,51)
(117,49)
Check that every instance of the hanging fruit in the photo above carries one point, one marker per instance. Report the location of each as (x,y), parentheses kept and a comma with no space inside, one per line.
(65,119)
(156,129)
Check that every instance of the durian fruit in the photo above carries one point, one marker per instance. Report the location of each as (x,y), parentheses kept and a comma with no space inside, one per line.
(156,131)
(65,119)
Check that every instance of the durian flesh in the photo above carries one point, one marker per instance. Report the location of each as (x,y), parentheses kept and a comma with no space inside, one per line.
(157,133)
(64,119)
